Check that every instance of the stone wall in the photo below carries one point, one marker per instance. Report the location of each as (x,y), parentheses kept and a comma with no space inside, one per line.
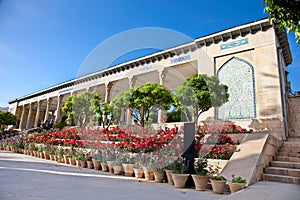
(270,149)
(294,116)
(253,155)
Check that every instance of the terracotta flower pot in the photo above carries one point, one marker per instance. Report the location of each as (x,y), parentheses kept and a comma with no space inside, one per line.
(138,173)
(66,159)
(218,186)
(110,165)
(149,175)
(128,169)
(118,169)
(104,167)
(200,182)
(72,161)
(52,157)
(97,164)
(234,187)
(159,176)
(46,155)
(180,180)
(90,164)
(169,177)
(78,163)
(83,163)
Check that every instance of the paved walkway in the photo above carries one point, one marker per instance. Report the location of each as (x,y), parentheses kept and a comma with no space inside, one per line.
(28,178)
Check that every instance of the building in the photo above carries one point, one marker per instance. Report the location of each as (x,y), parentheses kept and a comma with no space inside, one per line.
(251,59)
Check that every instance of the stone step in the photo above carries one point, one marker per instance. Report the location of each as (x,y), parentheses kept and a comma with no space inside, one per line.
(290,150)
(283,171)
(285,164)
(295,145)
(294,139)
(286,158)
(281,178)
(289,154)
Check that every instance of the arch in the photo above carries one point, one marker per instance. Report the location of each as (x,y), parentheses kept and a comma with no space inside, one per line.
(238,75)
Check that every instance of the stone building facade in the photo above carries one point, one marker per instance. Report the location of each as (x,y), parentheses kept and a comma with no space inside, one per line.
(251,59)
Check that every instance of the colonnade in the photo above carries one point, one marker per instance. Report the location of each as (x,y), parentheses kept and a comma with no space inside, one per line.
(42,109)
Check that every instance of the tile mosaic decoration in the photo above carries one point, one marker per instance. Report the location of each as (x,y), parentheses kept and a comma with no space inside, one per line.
(238,75)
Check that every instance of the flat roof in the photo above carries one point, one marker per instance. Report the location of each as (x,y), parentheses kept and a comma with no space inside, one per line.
(206,40)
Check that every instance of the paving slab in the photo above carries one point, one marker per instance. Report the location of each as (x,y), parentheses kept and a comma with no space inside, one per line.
(267,190)
(28,178)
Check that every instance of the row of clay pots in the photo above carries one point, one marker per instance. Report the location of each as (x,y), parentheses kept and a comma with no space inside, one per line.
(201,183)
(179,180)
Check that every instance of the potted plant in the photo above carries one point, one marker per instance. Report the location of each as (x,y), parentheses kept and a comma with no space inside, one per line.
(70,155)
(218,184)
(169,172)
(179,175)
(158,166)
(201,177)
(97,160)
(128,164)
(117,164)
(89,161)
(138,169)
(237,183)
(82,158)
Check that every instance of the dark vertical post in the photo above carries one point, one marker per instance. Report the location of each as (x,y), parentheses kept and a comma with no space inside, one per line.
(188,146)
(188,150)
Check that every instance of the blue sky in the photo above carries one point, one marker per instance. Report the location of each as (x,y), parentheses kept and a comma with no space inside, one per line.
(43,43)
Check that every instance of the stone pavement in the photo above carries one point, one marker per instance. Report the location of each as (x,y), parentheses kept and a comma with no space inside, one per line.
(29,178)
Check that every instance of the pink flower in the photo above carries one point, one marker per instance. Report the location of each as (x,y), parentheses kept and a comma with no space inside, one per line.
(232,175)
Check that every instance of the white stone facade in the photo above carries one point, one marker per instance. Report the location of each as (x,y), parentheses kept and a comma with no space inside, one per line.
(258,45)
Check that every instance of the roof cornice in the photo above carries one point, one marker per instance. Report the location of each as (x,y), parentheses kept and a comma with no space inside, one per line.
(214,38)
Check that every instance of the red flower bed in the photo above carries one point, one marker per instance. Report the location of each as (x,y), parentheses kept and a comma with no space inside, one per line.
(142,139)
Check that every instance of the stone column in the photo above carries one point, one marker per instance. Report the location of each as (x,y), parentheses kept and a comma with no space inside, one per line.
(108,86)
(58,108)
(22,117)
(132,81)
(29,116)
(47,109)
(162,76)
(37,116)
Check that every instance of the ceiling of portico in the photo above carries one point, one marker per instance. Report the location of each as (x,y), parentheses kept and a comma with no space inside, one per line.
(176,75)
(118,86)
(150,77)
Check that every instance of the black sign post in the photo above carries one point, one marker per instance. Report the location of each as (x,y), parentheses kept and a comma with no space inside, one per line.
(188,149)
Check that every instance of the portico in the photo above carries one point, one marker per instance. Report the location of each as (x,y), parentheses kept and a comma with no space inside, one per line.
(249,50)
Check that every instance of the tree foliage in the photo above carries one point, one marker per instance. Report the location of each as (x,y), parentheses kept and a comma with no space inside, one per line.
(82,107)
(120,102)
(148,99)
(67,109)
(103,110)
(198,94)
(7,118)
(143,102)
(286,13)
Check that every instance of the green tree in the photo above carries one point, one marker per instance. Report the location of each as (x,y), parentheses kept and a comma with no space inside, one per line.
(67,109)
(82,107)
(103,110)
(120,102)
(7,118)
(285,13)
(147,100)
(198,94)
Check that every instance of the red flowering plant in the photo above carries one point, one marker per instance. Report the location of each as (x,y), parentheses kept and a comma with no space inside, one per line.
(222,152)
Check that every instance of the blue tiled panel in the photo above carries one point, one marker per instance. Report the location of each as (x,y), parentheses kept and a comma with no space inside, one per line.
(238,75)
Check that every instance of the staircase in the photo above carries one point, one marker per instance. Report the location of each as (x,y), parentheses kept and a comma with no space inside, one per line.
(286,164)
